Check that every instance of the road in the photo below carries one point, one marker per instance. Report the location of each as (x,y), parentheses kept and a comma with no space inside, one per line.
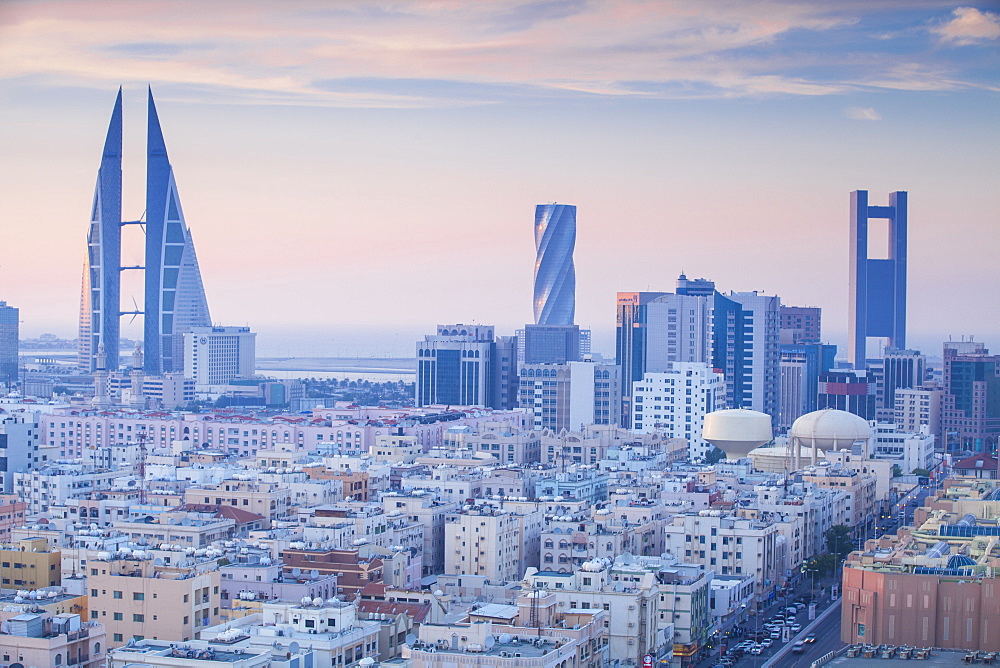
(827,639)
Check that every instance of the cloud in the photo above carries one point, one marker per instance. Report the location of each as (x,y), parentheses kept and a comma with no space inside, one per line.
(863,114)
(424,53)
(970,26)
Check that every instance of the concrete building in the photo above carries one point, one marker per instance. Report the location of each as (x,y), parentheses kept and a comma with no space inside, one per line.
(934,585)
(44,639)
(217,355)
(227,653)
(877,286)
(571,395)
(730,546)
(135,598)
(895,370)
(29,563)
(482,540)
(9,356)
(353,571)
(532,634)
(12,515)
(920,407)
(909,450)
(676,402)
(800,324)
(20,436)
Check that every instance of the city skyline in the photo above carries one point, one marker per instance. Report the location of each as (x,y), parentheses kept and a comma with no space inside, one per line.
(710,141)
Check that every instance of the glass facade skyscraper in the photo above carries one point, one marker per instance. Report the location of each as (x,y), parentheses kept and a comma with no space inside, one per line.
(877,285)
(174,295)
(555,276)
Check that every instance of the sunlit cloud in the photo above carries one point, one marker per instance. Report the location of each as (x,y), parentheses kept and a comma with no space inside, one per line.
(863,114)
(970,26)
(286,54)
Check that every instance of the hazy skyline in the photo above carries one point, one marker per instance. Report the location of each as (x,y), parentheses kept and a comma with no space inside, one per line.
(377,165)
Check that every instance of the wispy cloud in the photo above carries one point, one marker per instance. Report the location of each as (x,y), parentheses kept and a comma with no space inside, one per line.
(863,113)
(289,53)
(970,26)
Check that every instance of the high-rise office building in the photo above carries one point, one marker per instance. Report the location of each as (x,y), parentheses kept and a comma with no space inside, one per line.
(970,410)
(174,295)
(100,301)
(555,277)
(217,355)
(801,324)
(551,344)
(676,401)
(877,285)
(736,333)
(9,328)
(851,391)
(800,367)
(570,395)
(455,366)
(895,370)
(752,365)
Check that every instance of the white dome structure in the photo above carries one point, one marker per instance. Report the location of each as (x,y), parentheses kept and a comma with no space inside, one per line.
(737,431)
(829,429)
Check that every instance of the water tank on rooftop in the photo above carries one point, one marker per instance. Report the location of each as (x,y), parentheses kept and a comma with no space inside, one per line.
(737,431)
(830,429)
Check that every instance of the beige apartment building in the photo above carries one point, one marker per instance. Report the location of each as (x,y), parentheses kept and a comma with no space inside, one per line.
(269,499)
(483,541)
(29,564)
(134,598)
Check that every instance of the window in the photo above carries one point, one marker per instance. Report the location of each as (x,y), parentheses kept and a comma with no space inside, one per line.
(138,596)
(118,637)
(118,616)
(117,594)
(138,618)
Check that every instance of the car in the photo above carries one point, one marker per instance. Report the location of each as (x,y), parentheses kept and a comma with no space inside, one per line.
(791,610)
(775,634)
(799,647)
(799,605)
(766,642)
(757,650)
(811,638)
(796,628)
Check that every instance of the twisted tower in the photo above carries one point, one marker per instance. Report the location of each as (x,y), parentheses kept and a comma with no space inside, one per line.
(555,277)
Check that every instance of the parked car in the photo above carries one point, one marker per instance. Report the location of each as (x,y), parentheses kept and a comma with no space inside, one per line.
(766,642)
(796,628)
(757,650)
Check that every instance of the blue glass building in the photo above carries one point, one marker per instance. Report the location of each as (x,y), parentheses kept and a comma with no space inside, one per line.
(174,295)
(100,298)
(877,285)
(555,276)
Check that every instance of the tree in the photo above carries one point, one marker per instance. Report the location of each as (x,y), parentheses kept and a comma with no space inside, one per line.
(921,472)
(896,471)
(838,540)
(714,456)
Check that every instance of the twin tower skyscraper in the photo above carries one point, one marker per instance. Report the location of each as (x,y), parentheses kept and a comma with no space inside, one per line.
(174,297)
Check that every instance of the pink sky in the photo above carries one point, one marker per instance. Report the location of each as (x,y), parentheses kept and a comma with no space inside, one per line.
(349,165)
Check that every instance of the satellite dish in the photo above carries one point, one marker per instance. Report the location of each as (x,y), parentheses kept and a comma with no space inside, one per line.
(293,647)
(314,574)
(490,642)
(410,639)
(296,572)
